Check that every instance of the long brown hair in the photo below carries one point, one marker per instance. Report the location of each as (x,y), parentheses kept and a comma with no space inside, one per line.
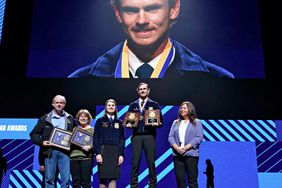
(191,112)
(85,112)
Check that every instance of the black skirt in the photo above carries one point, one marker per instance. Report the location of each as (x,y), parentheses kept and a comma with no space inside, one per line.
(109,168)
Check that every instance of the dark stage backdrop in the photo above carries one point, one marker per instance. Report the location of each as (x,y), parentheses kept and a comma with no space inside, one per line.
(2,12)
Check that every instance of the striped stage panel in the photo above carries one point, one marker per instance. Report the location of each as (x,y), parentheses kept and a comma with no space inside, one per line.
(2,13)
(269,157)
(19,154)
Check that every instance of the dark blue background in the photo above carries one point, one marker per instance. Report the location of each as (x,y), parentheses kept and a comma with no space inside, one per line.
(67,35)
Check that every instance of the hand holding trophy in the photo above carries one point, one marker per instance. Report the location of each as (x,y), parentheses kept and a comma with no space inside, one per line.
(152,117)
(131,119)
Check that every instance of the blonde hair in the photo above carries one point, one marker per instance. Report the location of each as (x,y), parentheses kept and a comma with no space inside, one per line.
(113,101)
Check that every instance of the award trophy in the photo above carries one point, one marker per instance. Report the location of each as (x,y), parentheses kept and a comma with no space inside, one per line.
(81,137)
(152,117)
(132,118)
(60,138)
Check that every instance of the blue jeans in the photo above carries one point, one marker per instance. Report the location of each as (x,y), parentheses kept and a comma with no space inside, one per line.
(61,160)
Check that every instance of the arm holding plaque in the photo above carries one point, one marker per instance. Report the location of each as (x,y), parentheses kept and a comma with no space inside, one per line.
(36,135)
(60,138)
(82,138)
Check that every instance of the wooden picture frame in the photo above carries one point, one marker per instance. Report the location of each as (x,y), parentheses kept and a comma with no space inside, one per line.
(81,137)
(152,117)
(132,118)
(60,138)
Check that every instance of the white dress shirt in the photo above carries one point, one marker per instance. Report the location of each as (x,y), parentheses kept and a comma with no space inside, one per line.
(182,130)
(134,62)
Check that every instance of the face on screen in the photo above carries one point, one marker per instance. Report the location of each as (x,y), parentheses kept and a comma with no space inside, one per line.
(145,22)
(217,38)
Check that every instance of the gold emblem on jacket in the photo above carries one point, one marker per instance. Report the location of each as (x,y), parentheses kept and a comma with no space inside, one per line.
(116,125)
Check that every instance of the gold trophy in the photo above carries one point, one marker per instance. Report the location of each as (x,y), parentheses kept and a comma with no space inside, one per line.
(132,118)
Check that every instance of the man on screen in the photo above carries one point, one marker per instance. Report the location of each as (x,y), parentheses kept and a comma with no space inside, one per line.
(148,52)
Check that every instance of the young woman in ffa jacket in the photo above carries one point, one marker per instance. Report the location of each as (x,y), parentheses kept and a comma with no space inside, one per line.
(109,145)
(185,136)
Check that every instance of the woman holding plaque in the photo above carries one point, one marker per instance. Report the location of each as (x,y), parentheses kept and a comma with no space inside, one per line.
(185,136)
(82,155)
(109,145)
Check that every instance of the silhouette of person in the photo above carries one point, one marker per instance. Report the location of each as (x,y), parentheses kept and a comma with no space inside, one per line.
(209,174)
(3,166)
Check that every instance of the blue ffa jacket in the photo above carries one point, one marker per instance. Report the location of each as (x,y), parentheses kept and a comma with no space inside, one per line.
(141,129)
(184,62)
(107,133)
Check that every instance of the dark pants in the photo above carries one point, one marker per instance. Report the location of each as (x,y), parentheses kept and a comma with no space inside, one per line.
(43,179)
(1,176)
(81,171)
(186,166)
(148,142)
(210,183)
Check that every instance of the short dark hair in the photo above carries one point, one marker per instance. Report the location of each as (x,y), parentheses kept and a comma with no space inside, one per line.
(117,3)
(142,83)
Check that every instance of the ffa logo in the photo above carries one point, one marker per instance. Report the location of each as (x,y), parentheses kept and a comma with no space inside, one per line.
(152,114)
(131,116)
(116,125)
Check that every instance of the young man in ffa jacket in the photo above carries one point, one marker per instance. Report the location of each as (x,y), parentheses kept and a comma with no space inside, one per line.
(143,137)
(54,157)
(148,51)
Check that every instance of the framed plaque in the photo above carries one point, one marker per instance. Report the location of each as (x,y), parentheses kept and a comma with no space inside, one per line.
(152,117)
(60,138)
(132,118)
(81,137)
